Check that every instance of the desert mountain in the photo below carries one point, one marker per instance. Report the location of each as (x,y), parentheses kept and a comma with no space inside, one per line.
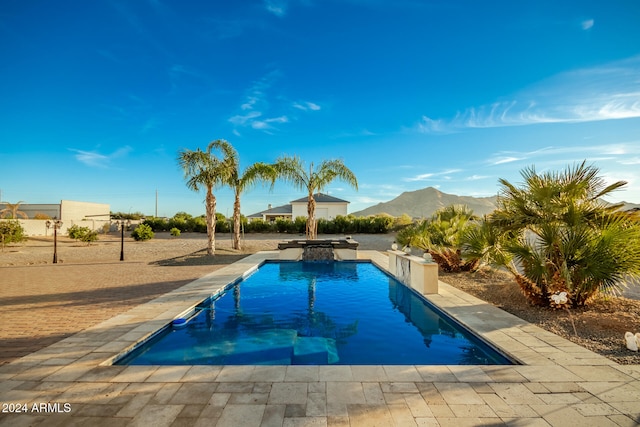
(423,203)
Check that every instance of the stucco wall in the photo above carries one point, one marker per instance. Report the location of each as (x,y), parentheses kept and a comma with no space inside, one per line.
(85,214)
(76,211)
(38,227)
(323,210)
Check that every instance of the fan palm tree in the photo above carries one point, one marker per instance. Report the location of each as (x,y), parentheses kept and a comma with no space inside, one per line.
(561,238)
(11,211)
(293,170)
(240,182)
(441,236)
(204,169)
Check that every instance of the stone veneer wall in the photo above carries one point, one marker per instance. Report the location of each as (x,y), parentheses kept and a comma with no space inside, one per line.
(317,253)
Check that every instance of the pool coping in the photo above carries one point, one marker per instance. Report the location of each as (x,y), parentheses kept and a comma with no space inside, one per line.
(546,358)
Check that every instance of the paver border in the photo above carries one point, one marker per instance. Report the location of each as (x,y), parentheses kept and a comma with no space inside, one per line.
(552,369)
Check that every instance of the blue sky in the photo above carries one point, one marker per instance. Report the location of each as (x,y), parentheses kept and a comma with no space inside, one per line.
(98,97)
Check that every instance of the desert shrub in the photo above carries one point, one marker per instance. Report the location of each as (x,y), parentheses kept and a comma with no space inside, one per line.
(382,223)
(259,226)
(284,225)
(89,236)
(142,232)
(11,232)
(126,215)
(175,232)
(41,216)
(402,221)
(326,226)
(157,224)
(82,234)
(76,232)
(223,225)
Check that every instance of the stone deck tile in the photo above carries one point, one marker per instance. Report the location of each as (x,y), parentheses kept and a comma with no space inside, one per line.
(592,389)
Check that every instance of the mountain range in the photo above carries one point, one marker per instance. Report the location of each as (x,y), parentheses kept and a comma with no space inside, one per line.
(423,203)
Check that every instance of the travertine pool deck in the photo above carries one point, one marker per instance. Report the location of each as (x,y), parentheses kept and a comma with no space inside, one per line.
(558,384)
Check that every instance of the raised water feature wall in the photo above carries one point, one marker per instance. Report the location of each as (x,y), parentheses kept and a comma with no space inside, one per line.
(317,253)
(318,250)
(417,273)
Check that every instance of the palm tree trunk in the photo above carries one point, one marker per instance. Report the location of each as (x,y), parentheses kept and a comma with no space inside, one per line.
(311,219)
(236,221)
(210,202)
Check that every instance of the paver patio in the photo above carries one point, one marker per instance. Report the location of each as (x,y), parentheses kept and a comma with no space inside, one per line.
(558,384)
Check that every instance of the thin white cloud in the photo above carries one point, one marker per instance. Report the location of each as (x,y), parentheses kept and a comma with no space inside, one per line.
(631,161)
(258,111)
(607,92)
(505,159)
(277,7)
(267,123)
(99,160)
(445,175)
(476,177)
(587,24)
(306,106)
(244,120)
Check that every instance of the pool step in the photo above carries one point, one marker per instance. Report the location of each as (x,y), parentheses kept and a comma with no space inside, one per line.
(315,350)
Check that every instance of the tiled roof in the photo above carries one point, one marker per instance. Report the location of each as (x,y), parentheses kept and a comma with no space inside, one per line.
(321,198)
(284,209)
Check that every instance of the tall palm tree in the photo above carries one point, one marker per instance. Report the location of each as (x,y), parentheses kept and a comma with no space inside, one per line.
(204,169)
(11,211)
(240,182)
(561,238)
(293,170)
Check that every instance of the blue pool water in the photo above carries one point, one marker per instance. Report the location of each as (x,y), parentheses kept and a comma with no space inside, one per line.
(297,313)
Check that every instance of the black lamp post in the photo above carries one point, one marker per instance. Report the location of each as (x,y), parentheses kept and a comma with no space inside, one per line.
(56,224)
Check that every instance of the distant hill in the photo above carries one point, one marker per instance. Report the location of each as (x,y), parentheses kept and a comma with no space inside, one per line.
(423,203)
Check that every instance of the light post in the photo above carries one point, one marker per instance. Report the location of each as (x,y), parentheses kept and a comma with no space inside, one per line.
(122,225)
(56,224)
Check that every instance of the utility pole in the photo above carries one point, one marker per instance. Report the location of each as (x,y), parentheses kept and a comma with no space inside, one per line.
(156,203)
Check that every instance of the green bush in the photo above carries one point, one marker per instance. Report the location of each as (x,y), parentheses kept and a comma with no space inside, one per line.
(76,232)
(157,224)
(90,236)
(175,232)
(82,234)
(142,232)
(11,232)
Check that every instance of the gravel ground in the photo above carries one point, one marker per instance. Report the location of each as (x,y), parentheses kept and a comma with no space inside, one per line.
(600,327)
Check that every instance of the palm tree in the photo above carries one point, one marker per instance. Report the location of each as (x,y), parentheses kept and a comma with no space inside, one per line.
(204,169)
(240,182)
(559,237)
(292,170)
(11,211)
(441,236)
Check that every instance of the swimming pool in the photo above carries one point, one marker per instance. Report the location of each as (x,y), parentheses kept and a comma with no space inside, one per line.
(301,313)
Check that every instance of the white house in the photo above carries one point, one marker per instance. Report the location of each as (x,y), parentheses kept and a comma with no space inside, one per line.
(327,207)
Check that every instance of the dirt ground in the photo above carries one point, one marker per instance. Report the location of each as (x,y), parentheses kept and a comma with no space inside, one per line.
(42,302)
(600,327)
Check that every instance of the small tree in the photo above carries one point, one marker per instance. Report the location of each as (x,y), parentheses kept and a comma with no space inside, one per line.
(11,232)
(82,234)
(142,232)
